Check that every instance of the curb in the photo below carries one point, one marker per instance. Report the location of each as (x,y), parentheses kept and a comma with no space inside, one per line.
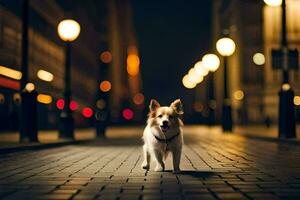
(40,146)
(271,139)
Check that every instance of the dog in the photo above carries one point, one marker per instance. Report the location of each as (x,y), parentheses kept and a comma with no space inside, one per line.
(163,134)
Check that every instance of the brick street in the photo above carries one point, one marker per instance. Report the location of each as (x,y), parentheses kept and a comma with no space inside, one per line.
(214,166)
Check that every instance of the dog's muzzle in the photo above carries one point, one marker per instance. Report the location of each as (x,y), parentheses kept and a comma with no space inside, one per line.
(165,127)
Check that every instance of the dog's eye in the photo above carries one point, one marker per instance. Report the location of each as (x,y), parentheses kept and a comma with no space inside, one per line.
(160,116)
(171,117)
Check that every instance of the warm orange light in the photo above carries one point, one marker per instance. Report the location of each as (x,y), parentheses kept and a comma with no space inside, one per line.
(138,99)
(105,86)
(133,64)
(11,73)
(106,57)
(44,98)
(30,87)
(238,95)
(297,100)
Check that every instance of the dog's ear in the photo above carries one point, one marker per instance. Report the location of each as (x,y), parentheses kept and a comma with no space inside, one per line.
(153,105)
(177,106)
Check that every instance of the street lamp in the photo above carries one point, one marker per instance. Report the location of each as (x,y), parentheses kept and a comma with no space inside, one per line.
(273,2)
(211,62)
(286,121)
(226,47)
(68,30)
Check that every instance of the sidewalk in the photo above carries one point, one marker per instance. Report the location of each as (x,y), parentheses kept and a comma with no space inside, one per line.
(9,141)
(214,166)
(262,132)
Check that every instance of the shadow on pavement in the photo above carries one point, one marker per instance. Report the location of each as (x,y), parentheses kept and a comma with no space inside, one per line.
(197,174)
(194,173)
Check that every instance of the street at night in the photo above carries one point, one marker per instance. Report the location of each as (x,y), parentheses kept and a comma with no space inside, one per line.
(160,99)
(214,166)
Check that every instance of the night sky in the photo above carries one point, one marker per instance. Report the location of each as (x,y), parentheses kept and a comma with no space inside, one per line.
(172,36)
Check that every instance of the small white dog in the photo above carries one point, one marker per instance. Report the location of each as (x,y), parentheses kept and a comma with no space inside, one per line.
(163,134)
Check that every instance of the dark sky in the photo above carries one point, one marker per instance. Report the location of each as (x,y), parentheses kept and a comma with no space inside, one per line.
(172,36)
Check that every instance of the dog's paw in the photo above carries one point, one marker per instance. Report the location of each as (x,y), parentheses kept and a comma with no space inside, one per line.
(176,171)
(159,169)
(145,166)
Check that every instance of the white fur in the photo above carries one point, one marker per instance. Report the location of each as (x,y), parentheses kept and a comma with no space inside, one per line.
(159,150)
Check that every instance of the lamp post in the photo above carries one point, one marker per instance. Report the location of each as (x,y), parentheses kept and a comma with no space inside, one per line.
(226,47)
(68,31)
(286,121)
(211,62)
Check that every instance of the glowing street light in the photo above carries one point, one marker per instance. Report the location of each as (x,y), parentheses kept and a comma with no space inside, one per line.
(226,47)
(45,75)
(273,3)
(194,77)
(286,119)
(211,62)
(259,59)
(200,69)
(68,30)
(188,83)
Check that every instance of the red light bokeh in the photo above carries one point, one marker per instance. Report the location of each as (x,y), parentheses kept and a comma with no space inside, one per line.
(87,112)
(60,103)
(73,105)
(128,114)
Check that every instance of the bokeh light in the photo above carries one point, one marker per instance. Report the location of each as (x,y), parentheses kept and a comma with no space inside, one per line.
(105,86)
(87,112)
(133,64)
(44,98)
(127,114)
(138,99)
(73,105)
(225,46)
(45,75)
(200,69)
(106,57)
(68,30)
(211,62)
(11,73)
(238,95)
(60,104)
(30,87)
(297,100)
(259,59)
(188,83)
(273,2)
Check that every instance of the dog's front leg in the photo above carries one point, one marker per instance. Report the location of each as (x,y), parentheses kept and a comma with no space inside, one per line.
(176,159)
(146,162)
(160,166)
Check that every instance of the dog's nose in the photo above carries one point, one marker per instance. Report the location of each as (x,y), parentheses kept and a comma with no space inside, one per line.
(165,123)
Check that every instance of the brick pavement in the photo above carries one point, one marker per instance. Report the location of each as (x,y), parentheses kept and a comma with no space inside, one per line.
(214,166)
